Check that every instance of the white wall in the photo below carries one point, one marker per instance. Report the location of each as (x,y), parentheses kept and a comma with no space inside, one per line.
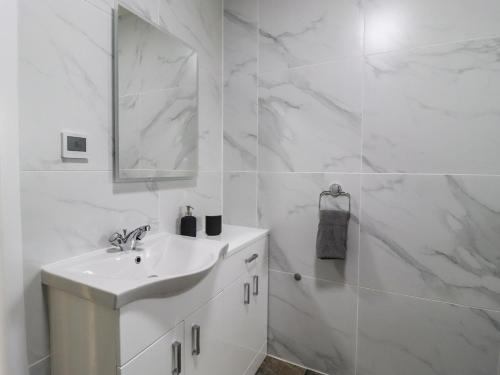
(12,330)
(65,83)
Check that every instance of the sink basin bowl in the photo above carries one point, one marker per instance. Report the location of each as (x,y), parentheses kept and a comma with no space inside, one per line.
(163,265)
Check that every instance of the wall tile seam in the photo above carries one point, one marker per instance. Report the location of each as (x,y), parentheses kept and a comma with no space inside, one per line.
(201,171)
(409,50)
(378,173)
(371,54)
(41,360)
(387,292)
(428,300)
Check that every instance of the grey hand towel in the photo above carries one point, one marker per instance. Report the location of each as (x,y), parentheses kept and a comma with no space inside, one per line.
(331,241)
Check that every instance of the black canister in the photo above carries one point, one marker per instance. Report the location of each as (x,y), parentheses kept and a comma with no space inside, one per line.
(213,225)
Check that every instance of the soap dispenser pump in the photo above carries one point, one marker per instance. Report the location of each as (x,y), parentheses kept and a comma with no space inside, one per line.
(188,223)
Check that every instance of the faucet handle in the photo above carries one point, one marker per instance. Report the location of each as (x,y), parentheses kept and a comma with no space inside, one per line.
(116,239)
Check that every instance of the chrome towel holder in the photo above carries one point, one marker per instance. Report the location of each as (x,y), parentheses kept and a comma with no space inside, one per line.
(335,191)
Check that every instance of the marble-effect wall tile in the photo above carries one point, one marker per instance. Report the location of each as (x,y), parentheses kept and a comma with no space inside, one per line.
(399,24)
(402,335)
(240,198)
(434,109)
(240,84)
(65,82)
(432,236)
(288,206)
(310,118)
(312,323)
(65,214)
(297,33)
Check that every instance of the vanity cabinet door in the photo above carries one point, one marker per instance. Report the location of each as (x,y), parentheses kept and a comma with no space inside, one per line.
(238,326)
(206,349)
(164,357)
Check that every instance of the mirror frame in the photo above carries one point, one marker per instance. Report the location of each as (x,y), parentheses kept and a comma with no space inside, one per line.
(173,175)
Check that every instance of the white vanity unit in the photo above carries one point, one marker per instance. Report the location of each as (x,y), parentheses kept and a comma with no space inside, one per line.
(179,306)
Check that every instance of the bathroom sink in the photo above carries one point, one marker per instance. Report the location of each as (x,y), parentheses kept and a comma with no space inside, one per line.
(162,265)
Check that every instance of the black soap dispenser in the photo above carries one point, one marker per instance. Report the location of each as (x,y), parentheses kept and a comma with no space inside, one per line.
(188,223)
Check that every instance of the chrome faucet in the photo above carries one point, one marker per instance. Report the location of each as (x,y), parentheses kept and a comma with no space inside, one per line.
(128,240)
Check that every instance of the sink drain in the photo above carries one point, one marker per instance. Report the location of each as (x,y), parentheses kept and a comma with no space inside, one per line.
(152,276)
(138,260)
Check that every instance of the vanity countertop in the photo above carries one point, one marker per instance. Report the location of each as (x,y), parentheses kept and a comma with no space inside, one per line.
(236,236)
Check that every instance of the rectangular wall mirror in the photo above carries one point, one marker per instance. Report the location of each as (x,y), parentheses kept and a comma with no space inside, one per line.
(155,101)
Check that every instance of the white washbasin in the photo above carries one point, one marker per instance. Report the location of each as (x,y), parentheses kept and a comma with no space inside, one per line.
(165,264)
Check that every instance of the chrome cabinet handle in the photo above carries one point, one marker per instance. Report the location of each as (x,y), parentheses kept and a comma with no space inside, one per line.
(195,339)
(176,358)
(252,258)
(256,285)
(246,292)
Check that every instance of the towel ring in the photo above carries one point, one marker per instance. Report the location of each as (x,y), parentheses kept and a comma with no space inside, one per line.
(335,191)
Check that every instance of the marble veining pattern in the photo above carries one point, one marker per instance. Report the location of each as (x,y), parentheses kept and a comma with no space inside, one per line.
(432,236)
(297,33)
(64,82)
(240,84)
(401,335)
(65,214)
(310,118)
(416,100)
(303,327)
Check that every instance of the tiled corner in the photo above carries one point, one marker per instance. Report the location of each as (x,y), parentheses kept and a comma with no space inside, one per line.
(312,323)
(404,335)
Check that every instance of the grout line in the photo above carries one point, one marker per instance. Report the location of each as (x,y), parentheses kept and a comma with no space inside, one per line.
(39,361)
(363,106)
(430,300)
(257,104)
(412,49)
(384,173)
(222,108)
